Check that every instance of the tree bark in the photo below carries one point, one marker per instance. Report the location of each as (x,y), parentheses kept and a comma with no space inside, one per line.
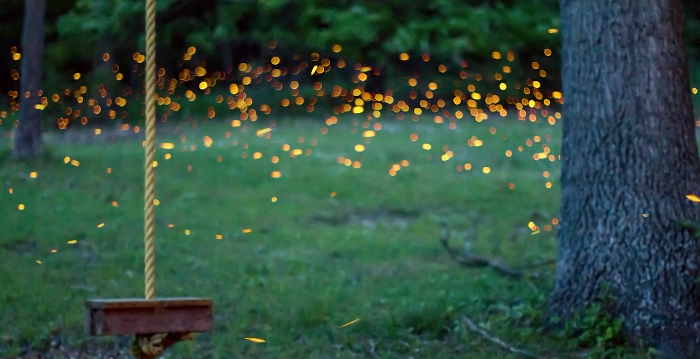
(629,158)
(102,70)
(28,135)
(227,56)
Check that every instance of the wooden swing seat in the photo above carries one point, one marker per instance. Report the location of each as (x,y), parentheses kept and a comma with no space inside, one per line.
(141,316)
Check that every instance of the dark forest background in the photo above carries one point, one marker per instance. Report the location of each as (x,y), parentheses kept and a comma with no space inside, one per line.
(490,41)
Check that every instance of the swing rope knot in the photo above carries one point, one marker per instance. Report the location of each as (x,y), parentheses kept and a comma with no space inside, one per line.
(151,346)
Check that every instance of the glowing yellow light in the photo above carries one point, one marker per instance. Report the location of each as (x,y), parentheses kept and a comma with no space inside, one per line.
(693,198)
(350,322)
(255,340)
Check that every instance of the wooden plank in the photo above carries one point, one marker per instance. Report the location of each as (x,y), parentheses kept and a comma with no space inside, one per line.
(140,316)
(145,303)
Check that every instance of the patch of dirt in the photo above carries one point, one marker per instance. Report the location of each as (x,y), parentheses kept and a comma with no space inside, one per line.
(19,246)
(87,251)
(58,348)
(370,219)
(88,136)
(109,133)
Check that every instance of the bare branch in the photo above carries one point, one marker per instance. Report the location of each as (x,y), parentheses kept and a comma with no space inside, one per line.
(465,259)
(470,261)
(473,327)
(543,263)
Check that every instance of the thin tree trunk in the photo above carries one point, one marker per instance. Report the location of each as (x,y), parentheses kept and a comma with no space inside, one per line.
(28,135)
(629,158)
(102,75)
(377,79)
(102,70)
(227,55)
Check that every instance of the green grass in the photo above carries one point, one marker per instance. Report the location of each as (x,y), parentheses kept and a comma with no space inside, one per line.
(312,262)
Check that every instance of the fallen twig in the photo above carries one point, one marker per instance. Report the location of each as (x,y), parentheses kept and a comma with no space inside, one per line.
(465,259)
(544,263)
(473,327)
(471,261)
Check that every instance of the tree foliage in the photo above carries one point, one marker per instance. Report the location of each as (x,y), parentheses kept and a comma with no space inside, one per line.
(369,31)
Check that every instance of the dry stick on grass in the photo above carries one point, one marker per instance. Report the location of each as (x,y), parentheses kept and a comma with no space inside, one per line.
(475,328)
(470,261)
(544,263)
(465,259)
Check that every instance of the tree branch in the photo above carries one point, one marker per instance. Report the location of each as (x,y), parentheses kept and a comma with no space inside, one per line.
(475,328)
(468,260)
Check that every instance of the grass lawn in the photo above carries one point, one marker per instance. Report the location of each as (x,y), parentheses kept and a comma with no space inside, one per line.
(290,259)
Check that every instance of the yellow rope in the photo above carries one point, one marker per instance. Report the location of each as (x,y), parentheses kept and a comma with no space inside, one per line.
(151,346)
(149,197)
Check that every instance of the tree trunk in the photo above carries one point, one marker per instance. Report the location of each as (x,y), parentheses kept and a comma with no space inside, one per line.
(102,70)
(227,56)
(102,75)
(629,158)
(377,79)
(28,135)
